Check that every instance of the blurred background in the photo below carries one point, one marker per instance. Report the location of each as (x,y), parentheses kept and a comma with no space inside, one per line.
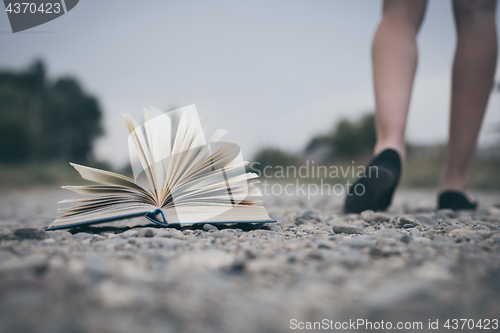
(290,80)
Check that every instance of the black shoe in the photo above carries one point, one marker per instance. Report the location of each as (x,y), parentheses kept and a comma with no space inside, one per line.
(375,189)
(455,200)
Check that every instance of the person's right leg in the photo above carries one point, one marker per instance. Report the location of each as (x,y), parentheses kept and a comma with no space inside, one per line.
(394,56)
(473,72)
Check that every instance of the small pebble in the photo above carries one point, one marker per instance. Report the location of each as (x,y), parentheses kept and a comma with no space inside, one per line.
(209,227)
(343,228)
(406,239)
(30,233)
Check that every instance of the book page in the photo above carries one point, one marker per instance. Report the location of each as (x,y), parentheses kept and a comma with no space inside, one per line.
(108,212)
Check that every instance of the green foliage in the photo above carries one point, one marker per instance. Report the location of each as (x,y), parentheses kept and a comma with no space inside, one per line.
(41,120)
(38,175)
(273,157)
(349,139)
(355,139)
(424,165)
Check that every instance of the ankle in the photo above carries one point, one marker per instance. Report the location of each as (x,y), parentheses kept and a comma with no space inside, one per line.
(399,148)
(453,182)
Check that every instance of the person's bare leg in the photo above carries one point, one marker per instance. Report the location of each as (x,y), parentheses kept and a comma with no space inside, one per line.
(394,56)
(472,81)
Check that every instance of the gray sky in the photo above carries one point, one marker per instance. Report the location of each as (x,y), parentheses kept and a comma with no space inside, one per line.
(273,73)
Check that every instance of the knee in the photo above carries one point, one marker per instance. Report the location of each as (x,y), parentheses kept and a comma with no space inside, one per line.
(407,14)
(471,11)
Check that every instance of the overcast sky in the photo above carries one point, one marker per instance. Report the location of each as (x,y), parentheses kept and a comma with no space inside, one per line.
(273,73)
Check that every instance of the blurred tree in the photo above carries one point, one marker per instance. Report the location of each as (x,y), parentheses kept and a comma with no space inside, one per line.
(348,139)
(273,157)
(45,120)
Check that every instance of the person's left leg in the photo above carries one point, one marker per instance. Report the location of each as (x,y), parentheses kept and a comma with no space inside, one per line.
(472,81)
(394,56)
(394,59)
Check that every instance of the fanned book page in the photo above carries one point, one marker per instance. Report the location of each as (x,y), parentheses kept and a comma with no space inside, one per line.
(189,178)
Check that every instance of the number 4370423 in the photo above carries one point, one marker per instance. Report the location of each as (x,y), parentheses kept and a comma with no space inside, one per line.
(26,7)
(485,324)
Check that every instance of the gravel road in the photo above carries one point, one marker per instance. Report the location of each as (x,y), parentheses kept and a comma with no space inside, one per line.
(409,265)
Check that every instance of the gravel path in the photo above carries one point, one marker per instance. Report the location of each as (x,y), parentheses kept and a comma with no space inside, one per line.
(411,264)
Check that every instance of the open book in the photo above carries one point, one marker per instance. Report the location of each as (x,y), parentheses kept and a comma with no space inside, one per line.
(190,179)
